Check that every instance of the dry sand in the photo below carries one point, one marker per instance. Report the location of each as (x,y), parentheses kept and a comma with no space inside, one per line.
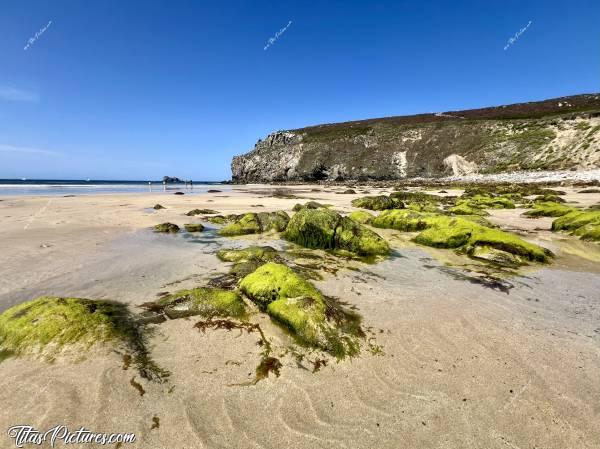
(462,365)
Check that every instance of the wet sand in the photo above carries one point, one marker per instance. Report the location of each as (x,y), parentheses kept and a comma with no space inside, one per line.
(453,362)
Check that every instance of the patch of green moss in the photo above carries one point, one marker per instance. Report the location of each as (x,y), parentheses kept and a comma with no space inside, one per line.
(201,212)
(193,227)
(49,325)
(464,208)
(362,217)
(589,232)
(548,209)
(166,227)
(402,220)
(488,202)
(308,205)
(442,231)
(255,223)
(575,219)
(549,198)
(380,202)
(326,229)
(207,302)
(251,252)
(298,305)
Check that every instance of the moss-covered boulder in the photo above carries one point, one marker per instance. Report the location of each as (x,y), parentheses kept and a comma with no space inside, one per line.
(207,302)
(464,208)
(326,229)
(244,254)
(488,202)
(194,212)
(549,198)
(589,232)
(455,232)
(575,219)
(405,220)
(158,207)
(496,256)
(443,231)
(298,305)
(256,223)
(166,227)
(380,202)
(48,325)
(362,217)
(548,209)
(193,227)
(308,205)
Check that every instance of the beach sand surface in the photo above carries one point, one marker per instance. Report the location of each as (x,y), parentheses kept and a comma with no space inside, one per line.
(452,362)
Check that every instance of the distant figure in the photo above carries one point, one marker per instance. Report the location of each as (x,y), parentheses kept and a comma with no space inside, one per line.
(150,186)
(164,186)
(191,184)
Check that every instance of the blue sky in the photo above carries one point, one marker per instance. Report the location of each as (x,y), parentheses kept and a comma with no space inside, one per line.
(138,90)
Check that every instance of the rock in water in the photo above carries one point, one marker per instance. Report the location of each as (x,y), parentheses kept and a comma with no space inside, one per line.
(166,227)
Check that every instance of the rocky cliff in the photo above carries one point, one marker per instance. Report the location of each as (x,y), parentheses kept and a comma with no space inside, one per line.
(562,133)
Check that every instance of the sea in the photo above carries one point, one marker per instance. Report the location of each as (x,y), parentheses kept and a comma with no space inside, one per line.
(58,187)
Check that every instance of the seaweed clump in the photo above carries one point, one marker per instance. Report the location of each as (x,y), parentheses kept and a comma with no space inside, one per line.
(326,229)
(294,302)
(256,223)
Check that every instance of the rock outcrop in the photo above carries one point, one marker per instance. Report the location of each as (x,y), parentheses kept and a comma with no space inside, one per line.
(562,133)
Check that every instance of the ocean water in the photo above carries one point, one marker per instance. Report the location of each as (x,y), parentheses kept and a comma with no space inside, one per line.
(58,187)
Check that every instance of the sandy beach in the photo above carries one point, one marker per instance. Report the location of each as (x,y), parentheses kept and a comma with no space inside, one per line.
(450,359)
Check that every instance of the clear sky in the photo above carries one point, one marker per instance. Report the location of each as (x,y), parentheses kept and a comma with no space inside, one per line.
(138,90)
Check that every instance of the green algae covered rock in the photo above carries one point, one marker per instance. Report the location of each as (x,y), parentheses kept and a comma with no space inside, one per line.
(298,305)
(201,212)
(549,198)
(46,325)
(464,208)
(488,202)
(589,232)
(308,205)
(256,223)
(158,207)
(549,209)
(496,256)
(193,227)
(402,220)
(166,227)
(251,252)
(326,229)
(443,231)
(207,302)
(380,202)
(362,217)
(575,219)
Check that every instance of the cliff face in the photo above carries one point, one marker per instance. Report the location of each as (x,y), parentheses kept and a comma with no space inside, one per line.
(562,133)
